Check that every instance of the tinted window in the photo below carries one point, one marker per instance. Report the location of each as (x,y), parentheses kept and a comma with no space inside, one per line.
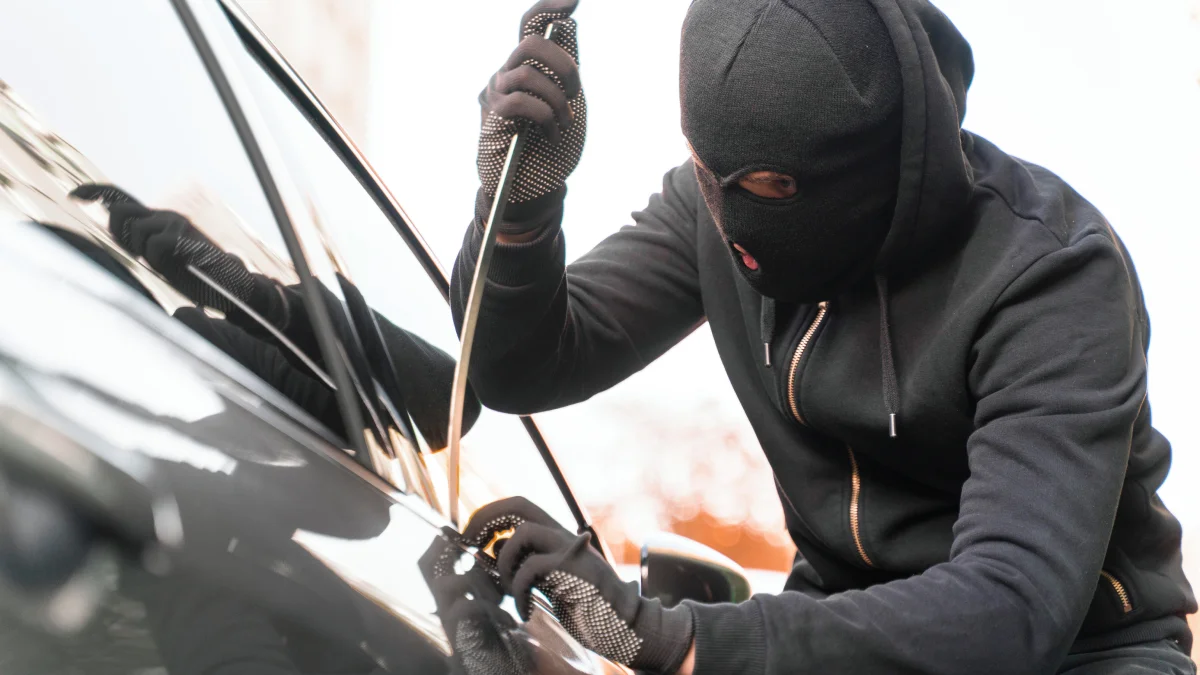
(97,94)
(499,459)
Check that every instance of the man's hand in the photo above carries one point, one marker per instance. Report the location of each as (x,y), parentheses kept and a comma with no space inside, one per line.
(468,605)
(538,88)
(170,244)
(603,613)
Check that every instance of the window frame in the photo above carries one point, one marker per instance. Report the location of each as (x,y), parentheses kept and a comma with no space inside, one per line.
(336,137)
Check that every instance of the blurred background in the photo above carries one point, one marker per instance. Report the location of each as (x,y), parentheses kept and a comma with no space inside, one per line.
(1107,97)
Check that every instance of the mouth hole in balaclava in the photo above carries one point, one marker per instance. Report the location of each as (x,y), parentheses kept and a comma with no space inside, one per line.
(748,259)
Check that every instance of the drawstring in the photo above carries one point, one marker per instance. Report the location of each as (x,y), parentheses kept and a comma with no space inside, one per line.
(891,389)
(767,318)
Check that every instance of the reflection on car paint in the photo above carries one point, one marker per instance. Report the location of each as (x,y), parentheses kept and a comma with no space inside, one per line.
(370,566)
(256,503)
(133,433)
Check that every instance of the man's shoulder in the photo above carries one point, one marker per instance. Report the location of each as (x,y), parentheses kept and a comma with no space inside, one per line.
(682,180)
(1029,201)
(678,205)
(1024,218)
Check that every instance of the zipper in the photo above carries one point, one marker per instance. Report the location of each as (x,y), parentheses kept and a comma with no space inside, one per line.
(1119,588)
(855,493)
(822,310)
(855,476)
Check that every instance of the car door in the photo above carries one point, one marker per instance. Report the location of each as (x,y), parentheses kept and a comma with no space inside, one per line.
(165,506)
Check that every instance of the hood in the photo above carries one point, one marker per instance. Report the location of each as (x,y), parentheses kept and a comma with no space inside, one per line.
(932,182)
(936,68)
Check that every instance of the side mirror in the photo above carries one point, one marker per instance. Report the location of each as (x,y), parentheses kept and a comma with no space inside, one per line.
(675,568)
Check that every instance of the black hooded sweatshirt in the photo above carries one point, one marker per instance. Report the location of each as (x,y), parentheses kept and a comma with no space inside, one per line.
(1012,518)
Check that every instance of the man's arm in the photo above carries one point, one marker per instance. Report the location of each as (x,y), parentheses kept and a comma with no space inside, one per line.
(550,335)
(1058,374)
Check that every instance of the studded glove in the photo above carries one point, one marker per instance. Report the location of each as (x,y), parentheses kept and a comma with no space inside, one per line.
(603,613)
(468,605)
(170,244)
(538,86)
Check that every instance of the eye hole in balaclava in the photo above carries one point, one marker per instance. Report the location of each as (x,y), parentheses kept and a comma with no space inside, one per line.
(769,185)
(803,89)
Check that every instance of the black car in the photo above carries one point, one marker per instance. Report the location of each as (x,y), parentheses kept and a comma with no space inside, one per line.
(168,503)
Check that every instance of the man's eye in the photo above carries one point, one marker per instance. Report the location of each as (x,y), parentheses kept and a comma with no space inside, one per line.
(769,185)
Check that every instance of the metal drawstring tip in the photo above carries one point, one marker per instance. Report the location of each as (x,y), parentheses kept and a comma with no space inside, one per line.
(767,353)
(892,425)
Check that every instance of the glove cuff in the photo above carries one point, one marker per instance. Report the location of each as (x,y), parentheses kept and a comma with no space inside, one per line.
(268,298)
(531,216)
(666,637)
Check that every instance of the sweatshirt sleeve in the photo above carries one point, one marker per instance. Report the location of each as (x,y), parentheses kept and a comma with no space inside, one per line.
(551,335)
(1058,377)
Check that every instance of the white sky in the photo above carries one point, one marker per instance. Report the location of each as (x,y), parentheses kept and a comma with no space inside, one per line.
(1107,97)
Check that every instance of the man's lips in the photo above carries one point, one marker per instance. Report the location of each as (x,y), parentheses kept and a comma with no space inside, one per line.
(747,259)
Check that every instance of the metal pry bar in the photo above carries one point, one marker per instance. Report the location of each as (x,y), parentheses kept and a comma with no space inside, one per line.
(458,395)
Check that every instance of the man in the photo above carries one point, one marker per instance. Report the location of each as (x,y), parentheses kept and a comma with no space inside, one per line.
(941,349)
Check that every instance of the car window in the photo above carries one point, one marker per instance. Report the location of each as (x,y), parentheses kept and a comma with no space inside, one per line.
(116,141)
(499,458)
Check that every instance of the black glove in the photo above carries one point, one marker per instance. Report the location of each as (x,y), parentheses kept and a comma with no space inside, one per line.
(170,243)
(468,605)
(538,86)
(603,613)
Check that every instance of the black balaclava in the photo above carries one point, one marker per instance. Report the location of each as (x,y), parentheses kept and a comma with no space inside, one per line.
(806,88)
